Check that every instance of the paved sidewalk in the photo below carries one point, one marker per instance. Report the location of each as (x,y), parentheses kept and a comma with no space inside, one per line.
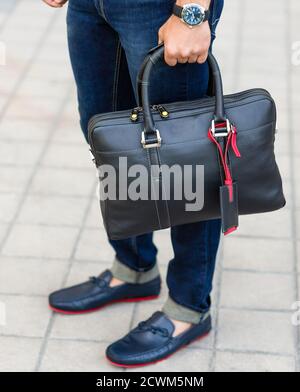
(50,230)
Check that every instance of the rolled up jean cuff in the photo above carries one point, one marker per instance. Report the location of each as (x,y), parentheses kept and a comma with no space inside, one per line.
(128,275)
(178,312)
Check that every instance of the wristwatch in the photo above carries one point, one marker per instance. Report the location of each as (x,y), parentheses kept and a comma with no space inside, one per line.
(191,14)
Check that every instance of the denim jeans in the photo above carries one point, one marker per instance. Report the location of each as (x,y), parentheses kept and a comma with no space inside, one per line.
(108,40)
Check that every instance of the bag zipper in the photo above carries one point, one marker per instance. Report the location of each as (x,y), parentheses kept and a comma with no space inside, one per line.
(175,107)
(134,116)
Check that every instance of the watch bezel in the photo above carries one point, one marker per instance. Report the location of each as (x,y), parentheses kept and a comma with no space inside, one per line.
(200,7)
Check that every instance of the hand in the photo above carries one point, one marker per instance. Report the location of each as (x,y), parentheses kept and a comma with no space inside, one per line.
(183,44)
(55,3)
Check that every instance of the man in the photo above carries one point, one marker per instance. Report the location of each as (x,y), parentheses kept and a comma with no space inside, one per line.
(108,40)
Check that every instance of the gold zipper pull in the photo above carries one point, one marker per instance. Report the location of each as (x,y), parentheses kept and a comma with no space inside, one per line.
(162,111)
(134,116)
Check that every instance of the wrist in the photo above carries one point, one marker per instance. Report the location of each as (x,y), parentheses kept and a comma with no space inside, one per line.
(204,3)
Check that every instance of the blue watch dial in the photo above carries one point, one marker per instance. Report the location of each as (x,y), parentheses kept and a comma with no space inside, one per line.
(192,15)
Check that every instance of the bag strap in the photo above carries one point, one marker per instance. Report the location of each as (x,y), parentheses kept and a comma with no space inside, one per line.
(143,83)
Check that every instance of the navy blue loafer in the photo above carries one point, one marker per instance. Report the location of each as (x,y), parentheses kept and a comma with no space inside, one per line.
(96,293)
(152,341)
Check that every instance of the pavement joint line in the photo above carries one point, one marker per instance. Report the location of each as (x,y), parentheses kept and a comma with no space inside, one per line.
(252,271)
(237,47)
(217,286)
(246,351)
(70,263)
(253,309)
(102,261)
(94,228)
(292,143)
(14,141)
(13,336)
(50,259)
(26,189)
(49,194)
(45,166)
(29,64)
(48,225)
(8,15)
(159,301)
(191,347)
(46,142)
(28,295)
(262,237)
(67,168)
(81,340)
(55,122)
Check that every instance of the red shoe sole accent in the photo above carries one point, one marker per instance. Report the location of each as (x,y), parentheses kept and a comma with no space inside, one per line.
(159,360)
(72,312)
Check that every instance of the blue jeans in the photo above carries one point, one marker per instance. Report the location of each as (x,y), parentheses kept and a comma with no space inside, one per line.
(108,40)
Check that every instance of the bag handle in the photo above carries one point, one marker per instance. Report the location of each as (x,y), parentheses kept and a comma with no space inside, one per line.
(150,134)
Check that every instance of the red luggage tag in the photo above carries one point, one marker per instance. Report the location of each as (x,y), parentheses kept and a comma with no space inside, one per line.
(229,189)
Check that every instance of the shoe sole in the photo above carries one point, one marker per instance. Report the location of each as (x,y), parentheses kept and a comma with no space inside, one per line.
(161,359)
(74,312)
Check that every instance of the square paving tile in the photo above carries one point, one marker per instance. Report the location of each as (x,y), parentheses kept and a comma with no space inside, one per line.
(89,357)
(14,179)
(94,245)
(107,324)
(185,360)
(53,210)
(270,255)
(162,240)
(257,290)
(20,153)
(257,331)
(68,156)
(63,182)
(18,354)
(25,316)
(9,204)
(40,241)
(94,219)
(16,276)
(27,130)
(246,362)
(276,224)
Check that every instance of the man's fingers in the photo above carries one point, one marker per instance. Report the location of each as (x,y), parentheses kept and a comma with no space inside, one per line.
(202,58)
(52,3)
(193,59)
(55,3)
(160,36)
(171,55)
(174,55)
(172,61)
(182,60)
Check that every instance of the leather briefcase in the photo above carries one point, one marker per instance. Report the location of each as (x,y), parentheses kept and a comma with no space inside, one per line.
(231,137)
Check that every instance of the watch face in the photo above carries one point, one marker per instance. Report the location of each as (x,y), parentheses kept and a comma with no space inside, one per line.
(193,14)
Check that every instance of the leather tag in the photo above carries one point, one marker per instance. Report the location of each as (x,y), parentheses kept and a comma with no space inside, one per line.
(229,207)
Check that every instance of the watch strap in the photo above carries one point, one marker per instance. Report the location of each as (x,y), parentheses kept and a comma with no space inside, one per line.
(177,10)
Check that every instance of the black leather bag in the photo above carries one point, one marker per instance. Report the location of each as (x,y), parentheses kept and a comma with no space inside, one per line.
(231,136)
